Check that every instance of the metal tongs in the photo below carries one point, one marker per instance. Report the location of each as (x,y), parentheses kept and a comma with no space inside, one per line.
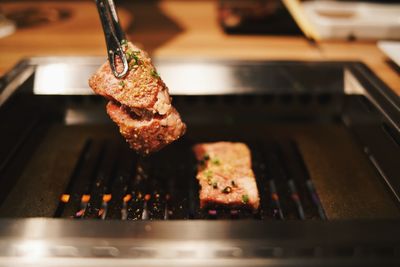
(113,34)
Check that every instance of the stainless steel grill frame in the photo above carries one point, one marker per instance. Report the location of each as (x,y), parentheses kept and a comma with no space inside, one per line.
(44,241)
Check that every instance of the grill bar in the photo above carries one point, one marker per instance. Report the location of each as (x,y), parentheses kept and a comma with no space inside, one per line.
(316,200)
(278,177)
(118,206)
(110,182)
(97,207)
(299,172)
(275,202)
(82,180)
(66,197)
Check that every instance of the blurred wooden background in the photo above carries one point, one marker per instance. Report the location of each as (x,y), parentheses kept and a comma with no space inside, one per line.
(172,29)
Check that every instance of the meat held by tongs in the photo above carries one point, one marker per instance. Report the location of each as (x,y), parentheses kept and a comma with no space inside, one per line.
(139,101)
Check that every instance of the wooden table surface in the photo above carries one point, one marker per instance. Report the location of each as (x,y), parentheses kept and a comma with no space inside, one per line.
(173,29)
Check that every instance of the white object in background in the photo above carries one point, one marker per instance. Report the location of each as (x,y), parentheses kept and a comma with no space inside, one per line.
(391,49)
(7,27)
(344,20)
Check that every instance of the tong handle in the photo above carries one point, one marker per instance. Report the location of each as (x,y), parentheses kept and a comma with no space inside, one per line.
(115,21)
(114,35)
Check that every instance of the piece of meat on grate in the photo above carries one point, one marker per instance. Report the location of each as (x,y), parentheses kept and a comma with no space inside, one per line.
(225,176)
(139,103)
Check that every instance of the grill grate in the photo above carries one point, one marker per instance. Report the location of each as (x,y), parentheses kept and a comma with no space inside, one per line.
(111,182)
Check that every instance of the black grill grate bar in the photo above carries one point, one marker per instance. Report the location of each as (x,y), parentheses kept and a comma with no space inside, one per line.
(304,173)
(118,205)
(296,199)
(275,201)
(295,180)
(298,172)
(279,195)
(66,197)
(315,198)
(260,171)
(82,180)
(99,192)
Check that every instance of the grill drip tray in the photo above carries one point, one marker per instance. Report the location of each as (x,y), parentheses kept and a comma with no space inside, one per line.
(324,140)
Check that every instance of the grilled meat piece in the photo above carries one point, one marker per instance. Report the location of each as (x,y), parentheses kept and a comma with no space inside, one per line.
(225,175)
(139,103)
(141,89)
(146,135)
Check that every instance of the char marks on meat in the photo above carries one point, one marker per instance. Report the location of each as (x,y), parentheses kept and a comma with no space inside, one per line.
(139,103)
(225,176)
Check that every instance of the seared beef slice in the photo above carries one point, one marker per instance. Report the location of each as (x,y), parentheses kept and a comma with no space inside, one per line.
(225,175)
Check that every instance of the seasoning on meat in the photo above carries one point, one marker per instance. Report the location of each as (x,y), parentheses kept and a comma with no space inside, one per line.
(139,103)
(146,135)
(225,175)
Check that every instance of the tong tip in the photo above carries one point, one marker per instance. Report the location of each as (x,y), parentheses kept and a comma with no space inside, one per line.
(112,54)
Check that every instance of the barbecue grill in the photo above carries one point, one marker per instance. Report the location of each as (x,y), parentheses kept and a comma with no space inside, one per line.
(324,138)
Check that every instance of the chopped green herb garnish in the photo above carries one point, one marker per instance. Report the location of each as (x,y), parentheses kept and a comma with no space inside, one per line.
(215,161)
(129,54)
(122,83)
(245,199)
(208,174)
(132,57)
(227,190)
(124,42)
(154,73)
(136,57)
